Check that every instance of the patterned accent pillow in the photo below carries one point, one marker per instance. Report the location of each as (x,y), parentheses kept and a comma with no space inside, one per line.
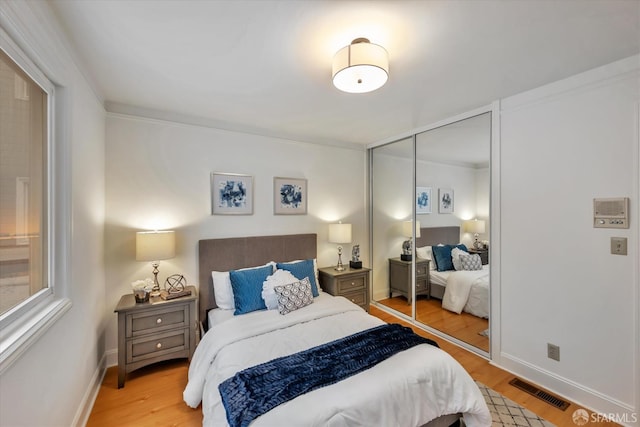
(470,262)
(294,295)
(455,257)
(280,277)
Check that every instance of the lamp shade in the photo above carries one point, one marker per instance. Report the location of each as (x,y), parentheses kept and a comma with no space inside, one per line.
(407,231)
(340,233)
(360,67)
(475,226)
(155,245)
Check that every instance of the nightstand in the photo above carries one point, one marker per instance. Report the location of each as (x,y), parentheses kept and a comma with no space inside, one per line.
(400,278)
(484,254)
(153,331)
(351,283)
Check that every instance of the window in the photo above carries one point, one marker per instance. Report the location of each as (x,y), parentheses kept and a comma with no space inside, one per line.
(23,183)
(32,209)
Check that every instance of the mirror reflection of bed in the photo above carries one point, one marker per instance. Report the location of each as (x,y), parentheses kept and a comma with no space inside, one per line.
(457,302)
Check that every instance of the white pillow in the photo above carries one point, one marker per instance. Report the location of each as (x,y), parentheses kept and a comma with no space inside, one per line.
(425,252)
(222,289)
(455,258)
(279,278)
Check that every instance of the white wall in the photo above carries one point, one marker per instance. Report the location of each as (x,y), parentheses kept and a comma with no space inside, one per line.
(561,146)
(52,381)
(157,177)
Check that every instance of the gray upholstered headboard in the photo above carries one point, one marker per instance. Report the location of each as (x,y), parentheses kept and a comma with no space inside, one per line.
(240,252)
(430,236)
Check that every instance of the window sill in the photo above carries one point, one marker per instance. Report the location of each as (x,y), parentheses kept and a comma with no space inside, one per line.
(18,337)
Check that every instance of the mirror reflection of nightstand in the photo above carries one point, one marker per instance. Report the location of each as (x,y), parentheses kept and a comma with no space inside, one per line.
(400,278)
(484,254)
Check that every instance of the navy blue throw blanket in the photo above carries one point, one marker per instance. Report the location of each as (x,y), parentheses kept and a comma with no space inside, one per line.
(256,390)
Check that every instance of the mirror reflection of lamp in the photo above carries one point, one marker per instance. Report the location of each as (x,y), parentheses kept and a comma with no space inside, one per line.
(155,246)
(475,226)
(407,245)
(340,233)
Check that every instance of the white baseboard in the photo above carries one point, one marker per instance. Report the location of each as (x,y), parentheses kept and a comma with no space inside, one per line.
(89,398)
(583,396)
(112,357)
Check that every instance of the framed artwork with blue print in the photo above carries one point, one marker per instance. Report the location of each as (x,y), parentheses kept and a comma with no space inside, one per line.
(231,194)
(289,196)
(423,200)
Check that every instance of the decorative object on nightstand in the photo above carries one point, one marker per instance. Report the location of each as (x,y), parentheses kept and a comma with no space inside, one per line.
(155,331)
(475,226)
(352,284)
(355,262)
(407,245)
(155,246)
(142,289)
(339,233)
(174,287)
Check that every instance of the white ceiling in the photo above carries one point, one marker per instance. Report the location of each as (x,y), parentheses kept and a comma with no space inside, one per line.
(264,66)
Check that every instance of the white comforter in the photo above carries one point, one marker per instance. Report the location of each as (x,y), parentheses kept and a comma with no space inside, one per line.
(468,291)
(408,389)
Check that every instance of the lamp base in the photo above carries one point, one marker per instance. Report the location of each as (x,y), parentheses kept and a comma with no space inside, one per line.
(355,264)
(404,257)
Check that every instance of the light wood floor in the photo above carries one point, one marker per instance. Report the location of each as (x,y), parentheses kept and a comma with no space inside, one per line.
(152,396)
(464,326)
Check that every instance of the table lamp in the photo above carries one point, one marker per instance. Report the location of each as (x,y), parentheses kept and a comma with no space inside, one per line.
(155,246)
(475,226)
(407,245)
(340,233)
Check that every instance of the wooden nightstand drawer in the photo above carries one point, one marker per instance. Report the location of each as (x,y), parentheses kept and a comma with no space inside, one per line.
(359,298)
(157,320)
(422,269)
(421,285)
(349,284)
(157,345)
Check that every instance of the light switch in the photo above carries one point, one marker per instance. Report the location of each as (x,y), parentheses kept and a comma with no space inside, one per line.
(619,245)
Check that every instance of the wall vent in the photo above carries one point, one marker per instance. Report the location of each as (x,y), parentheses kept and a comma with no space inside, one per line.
(540,394)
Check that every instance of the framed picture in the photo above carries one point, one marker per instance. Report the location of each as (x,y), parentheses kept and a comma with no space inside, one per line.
(423,200)
(289,196)
(231,194)
(445,200)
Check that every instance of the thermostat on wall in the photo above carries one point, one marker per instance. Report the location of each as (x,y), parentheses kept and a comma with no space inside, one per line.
(611,213)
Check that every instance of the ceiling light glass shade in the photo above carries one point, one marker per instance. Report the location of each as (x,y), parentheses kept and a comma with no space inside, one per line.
(360,67)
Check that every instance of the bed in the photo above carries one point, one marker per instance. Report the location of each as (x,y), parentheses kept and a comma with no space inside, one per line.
(466,291)
(385,394)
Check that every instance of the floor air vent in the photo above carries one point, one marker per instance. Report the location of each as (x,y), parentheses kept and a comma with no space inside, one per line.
(540,394)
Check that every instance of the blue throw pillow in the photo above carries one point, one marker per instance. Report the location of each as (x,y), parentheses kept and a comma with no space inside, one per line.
(302,269)
(247,288)
(442,256)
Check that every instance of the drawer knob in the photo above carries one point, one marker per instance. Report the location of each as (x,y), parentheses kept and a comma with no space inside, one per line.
(159,345)
(353,283)
(159,320)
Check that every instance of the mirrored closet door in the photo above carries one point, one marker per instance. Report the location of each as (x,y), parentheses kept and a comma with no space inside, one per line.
(444,180)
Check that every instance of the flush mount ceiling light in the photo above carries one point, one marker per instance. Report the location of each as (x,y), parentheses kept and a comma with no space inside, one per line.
(360,67)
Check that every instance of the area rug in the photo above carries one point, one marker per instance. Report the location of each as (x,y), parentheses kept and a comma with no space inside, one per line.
(506,412)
